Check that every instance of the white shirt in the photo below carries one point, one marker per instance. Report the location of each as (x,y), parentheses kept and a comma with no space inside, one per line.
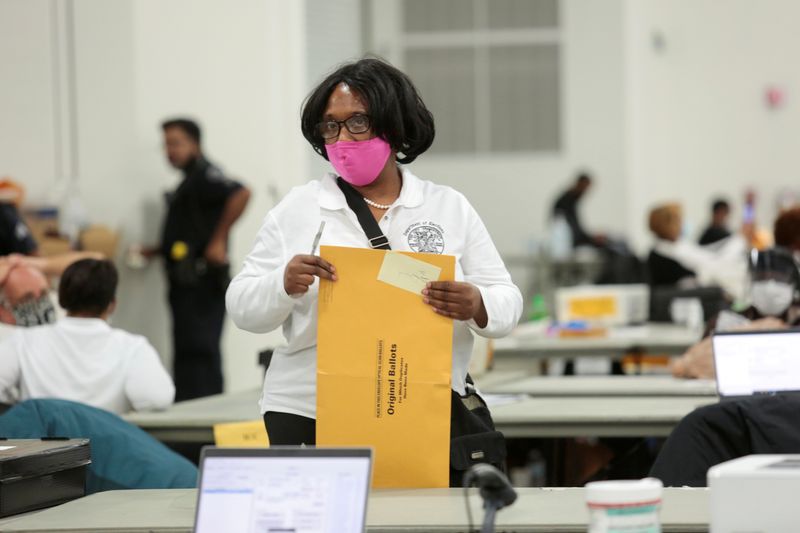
(425,218)
(87,361)
(723,264)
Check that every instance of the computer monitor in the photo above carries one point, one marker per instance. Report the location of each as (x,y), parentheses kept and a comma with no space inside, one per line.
(283,490)
(757,362)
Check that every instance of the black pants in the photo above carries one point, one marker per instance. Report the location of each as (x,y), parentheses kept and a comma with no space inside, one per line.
(469,433)
(198,312)
(717,433)
(284,429)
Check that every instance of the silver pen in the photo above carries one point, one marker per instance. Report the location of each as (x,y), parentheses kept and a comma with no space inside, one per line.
(317,237)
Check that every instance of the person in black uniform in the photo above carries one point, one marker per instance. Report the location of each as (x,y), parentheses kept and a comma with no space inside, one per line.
(718,229)
(194,245)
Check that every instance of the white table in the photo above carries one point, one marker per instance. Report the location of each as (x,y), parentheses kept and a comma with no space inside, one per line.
(635,416)
(528,342)
(194,420)
(601,386)
(422,510)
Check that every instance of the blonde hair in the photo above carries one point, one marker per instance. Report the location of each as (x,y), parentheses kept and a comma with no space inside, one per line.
(663,218)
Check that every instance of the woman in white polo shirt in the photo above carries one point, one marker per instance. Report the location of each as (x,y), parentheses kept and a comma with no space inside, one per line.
(365,118)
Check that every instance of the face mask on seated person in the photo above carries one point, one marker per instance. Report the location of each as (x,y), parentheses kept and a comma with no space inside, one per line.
(772,298)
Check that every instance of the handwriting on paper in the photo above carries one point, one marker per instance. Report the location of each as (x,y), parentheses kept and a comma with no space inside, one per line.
(407,273)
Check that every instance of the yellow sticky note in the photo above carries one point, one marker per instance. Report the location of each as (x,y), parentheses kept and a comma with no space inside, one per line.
(250,434)
(407,273)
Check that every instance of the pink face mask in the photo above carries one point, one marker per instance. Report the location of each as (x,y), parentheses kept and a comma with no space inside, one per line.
(359,162)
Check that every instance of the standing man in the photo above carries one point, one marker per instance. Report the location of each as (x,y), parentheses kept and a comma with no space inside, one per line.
(718,229)
(194,244)
(567,206)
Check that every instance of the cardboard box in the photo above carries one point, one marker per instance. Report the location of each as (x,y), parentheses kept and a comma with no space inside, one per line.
(101,239)
(50,246)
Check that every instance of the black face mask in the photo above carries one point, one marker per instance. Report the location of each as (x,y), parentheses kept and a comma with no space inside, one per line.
(34,312)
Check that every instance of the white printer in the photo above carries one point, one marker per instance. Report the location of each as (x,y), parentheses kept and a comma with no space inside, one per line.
(756,494)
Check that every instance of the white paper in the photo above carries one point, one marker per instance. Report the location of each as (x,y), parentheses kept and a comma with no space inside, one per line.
(407,273)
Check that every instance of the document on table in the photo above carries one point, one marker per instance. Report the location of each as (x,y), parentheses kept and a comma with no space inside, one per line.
(384,362)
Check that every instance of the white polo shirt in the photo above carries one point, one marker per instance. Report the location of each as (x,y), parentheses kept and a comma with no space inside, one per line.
(84,360)
(426,218)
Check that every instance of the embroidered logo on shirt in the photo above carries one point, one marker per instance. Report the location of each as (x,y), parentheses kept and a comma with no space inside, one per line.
(425,237)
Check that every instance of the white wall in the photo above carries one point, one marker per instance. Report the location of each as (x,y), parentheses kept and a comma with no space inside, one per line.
(28,97)
(240,70)
(238,67)
(333,36)
(514,193)
(698,124)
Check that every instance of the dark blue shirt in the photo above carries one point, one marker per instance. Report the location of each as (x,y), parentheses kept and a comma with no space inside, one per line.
(195,207)
(15,237)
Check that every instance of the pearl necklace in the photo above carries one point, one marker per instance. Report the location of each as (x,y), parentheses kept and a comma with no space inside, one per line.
(376,205)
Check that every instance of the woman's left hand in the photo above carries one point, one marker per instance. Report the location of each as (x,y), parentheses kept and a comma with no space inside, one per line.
(458,300)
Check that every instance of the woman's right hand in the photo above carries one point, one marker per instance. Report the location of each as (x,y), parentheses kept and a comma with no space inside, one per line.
(301,270)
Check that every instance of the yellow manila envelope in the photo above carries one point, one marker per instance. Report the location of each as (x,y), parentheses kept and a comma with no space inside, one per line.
(250,434)
(384,360)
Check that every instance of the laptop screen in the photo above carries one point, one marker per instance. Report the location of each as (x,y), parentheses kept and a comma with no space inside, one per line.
(762,362)
(277,490)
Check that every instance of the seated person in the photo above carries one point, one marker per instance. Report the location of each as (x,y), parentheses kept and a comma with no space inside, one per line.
(666,224)
(24,288)
(675,261)
(759,424)
(24,295)
(718,229)
(81,358)
(724,431)
(774,286)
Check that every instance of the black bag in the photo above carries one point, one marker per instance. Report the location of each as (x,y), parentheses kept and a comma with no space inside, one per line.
(473,438)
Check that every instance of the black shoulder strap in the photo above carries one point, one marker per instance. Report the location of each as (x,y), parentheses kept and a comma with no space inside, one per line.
(377,239)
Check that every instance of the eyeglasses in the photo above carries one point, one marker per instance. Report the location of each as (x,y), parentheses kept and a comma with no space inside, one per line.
(355,124)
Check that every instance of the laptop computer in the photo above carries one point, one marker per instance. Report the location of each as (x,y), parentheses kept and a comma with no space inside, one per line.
(748,363)
(283,490)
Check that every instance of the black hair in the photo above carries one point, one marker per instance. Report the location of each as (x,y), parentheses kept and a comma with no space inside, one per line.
(719,205)
(584,177)
(397,113)
(188,126)
(88,286)
(787,228)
